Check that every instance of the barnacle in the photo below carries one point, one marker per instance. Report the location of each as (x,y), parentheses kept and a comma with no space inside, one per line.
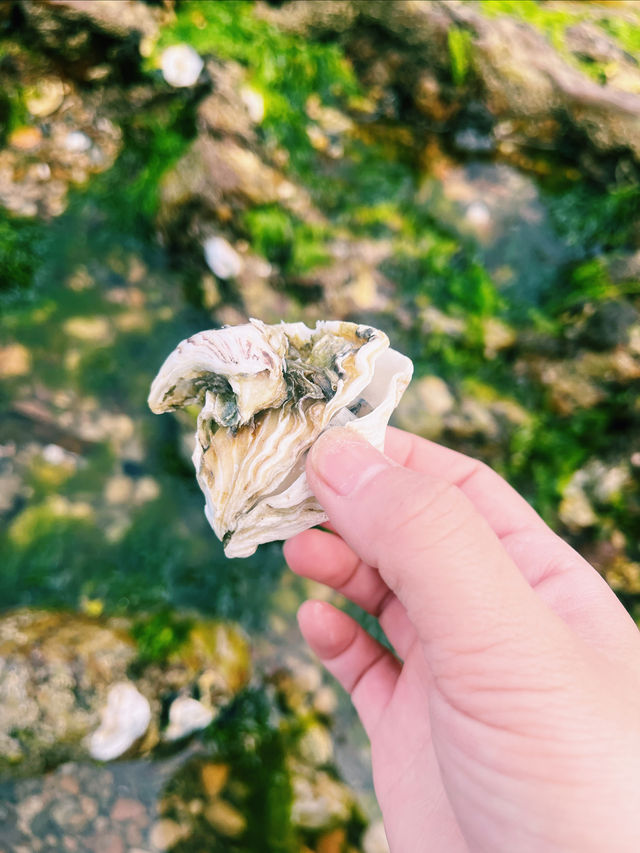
(266,393)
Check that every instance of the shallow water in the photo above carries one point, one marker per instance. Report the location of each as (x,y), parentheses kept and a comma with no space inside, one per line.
(101,513)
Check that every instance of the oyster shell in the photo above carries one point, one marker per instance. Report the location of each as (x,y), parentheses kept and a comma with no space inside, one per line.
(266,393)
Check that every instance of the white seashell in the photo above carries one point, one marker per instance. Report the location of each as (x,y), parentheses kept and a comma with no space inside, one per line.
(187,715)
(222,259)
(181,65)
(125,718)
(266,393)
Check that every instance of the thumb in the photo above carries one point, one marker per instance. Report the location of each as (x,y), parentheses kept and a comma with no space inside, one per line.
(461,590)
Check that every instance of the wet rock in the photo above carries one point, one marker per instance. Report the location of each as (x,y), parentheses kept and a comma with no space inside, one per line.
(15,360)
(254,103)
(165,834)
(232,108)
(55,672)
(214,778)
(609,325)
(55,21)
(315,745)
(25,138)
(589,42)
(497,335)
(318,799)
(375,839)
(97,329)
(217,176)
(424,406)
(592,488)
(576,510)
(45,98)
(524,83)
(71,138)
(226,819)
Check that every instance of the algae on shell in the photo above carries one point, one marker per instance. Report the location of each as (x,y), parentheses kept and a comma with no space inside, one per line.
(266,394)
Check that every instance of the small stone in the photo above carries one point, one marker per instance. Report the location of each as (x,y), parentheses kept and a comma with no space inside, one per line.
(126,808)
(95,329)
(575,508)
(315,745)
(147,489)
(424,406)
(107,843)
(375,839)
(470,140)
(118,490)
(222,259)
(497,336)
(165,833)
(332,842)
(225,818)
(25,138)
(254,102)
(15,360)
(89,807)
(69,784)
(45,98)
(325,701)
(214,778)
(76,142)
(181,65)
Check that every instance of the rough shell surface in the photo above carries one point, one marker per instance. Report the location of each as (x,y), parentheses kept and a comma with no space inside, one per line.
(265,395)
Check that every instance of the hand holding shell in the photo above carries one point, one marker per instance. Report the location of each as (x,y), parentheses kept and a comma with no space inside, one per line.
(266,393)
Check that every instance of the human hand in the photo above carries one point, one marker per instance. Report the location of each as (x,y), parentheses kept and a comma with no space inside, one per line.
(510,718)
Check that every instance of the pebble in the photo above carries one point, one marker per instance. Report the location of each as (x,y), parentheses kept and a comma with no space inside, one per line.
(15,360)
(375,839)
(46,97)
(254,102)
(25,138)
(125,808)
(214,778)
(165,833)
(225,818)
(76,142)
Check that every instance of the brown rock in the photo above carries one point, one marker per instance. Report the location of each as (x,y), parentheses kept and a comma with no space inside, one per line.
(225,818)
(126,808)
(332,842)
(165,833)
(214,778)
(25,138)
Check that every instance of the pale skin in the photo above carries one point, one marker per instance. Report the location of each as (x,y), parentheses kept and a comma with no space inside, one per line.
(508,718)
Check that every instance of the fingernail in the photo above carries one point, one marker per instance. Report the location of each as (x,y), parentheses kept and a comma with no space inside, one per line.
(345,461)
